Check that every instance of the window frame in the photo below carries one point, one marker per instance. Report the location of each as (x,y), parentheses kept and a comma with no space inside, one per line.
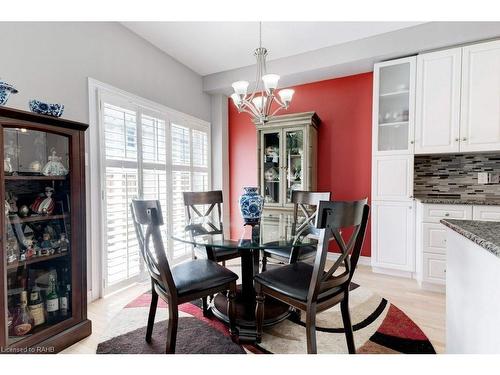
(96,164)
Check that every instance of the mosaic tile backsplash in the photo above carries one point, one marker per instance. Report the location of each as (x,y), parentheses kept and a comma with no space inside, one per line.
(455,176)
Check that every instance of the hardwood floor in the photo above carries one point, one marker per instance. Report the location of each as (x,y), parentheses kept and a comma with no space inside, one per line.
(426,308)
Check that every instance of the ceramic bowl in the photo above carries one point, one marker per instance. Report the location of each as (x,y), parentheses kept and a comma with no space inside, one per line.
(42,108)
(5,91)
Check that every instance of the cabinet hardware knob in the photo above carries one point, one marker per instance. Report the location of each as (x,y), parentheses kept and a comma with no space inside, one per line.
(412,142)
(447,214)
(457,139)
(464,139)
(410,207)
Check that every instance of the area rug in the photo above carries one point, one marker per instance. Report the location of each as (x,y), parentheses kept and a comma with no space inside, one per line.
(379,328)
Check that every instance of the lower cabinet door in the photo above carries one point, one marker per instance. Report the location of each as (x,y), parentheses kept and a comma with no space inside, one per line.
(434,268)
(393,235)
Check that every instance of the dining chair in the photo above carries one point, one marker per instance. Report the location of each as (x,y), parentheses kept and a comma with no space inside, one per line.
(306,202)
(195,203)
(182,283)
(311,288)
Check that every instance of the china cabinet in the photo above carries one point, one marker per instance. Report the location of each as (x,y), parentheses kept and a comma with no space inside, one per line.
(287,158)
(43,268)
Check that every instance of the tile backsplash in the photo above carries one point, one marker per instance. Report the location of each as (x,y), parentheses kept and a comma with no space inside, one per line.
(455,176)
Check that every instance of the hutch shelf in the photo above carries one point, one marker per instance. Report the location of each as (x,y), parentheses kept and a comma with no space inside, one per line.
(43,298)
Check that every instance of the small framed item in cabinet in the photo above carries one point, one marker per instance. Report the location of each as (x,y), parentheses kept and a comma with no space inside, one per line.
(43,293)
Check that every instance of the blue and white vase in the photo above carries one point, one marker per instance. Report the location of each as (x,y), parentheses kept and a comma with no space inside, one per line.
(5,91)
(251,204)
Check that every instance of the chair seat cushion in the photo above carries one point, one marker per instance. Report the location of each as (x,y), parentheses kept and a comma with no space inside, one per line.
(305,252)
(293,281)
(200,274)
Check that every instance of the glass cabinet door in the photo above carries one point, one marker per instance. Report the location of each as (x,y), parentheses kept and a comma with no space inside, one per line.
(395,106)
(270,167)
(37,231)
(294,161)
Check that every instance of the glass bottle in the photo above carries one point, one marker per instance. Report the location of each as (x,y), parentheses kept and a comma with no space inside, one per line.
(23,321)
(52,299)
(36,307)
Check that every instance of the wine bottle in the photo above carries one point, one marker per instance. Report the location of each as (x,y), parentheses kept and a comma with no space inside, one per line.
(36,307)
(23,321)
(64,300)
(52,299)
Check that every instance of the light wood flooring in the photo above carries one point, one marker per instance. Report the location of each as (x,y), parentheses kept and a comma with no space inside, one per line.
(427,309)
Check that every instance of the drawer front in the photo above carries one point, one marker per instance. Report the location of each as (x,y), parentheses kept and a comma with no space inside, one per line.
(433,213)
(435,268)
(486,213)
(434,238)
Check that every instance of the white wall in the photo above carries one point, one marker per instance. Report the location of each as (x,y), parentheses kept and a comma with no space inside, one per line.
(51,61)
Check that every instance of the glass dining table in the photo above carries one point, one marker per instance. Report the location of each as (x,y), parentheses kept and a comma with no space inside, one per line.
(270,233)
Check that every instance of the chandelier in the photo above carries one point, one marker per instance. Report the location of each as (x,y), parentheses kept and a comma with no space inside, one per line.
(259,103)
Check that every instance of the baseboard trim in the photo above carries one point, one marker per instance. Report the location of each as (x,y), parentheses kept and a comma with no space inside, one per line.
(364,261)
(392,272)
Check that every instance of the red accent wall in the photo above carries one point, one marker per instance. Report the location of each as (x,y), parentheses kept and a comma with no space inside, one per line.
(344,106)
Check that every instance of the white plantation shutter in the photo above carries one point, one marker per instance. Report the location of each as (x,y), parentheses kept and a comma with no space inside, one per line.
(150,157)
(122,185)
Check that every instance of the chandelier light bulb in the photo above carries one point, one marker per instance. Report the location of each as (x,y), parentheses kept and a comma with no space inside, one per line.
(270,81)
(240,87)
(286,96)
(259,102)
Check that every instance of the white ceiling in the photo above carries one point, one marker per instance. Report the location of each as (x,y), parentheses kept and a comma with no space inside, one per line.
(212,47)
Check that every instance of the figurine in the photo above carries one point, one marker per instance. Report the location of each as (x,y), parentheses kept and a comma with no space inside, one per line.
(271,174)
(63,243)
(12,199)
(7,208)
(46,245)
(12,250)
(35,166)
(23,211)
(272,153)
(54,167)
(7,166)
(44,205)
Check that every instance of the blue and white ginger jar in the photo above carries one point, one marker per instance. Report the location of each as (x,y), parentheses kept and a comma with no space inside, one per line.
(251,204)
(5,91)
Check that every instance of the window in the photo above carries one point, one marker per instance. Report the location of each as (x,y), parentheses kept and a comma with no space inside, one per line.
(153,154)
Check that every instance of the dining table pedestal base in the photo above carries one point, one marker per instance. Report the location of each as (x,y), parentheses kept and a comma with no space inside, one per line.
(274,312)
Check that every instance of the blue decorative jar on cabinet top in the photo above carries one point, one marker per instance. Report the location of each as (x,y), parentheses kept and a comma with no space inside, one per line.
(5,91)
(251,204)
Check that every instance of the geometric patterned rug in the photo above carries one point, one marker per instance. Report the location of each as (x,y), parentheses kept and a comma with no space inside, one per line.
(379,328)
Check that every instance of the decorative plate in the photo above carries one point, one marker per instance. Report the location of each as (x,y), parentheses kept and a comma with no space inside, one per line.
(55,110)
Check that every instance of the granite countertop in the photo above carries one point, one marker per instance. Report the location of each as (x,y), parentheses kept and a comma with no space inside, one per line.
(484,233)
(448,200)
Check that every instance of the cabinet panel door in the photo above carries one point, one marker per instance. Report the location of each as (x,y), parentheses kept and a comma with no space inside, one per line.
(486,213)
(393,235)
(392,177)
(433,213)
(394,107)
(437,116)
(434,238)
(480,110)
(435,268)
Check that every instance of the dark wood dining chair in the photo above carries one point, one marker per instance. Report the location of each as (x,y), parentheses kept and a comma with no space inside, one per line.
(182,283)
(306,202)
(195,203)
(310,288)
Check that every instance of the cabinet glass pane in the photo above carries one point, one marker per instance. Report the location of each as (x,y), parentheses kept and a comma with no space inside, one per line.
(294,161)
(271,167)
(37,232)
(394,107)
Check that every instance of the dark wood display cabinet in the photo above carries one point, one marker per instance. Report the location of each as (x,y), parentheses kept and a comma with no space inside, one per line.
(43,289)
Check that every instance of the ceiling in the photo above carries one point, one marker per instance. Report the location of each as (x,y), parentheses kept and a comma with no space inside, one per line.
(212,47)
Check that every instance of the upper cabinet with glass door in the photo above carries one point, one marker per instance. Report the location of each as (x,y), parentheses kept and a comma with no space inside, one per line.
(393,110)
(287,157)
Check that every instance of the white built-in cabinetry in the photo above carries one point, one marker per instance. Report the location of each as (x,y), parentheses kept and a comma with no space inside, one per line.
(446,101)
(431,237)
(393,213)
(458,100)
